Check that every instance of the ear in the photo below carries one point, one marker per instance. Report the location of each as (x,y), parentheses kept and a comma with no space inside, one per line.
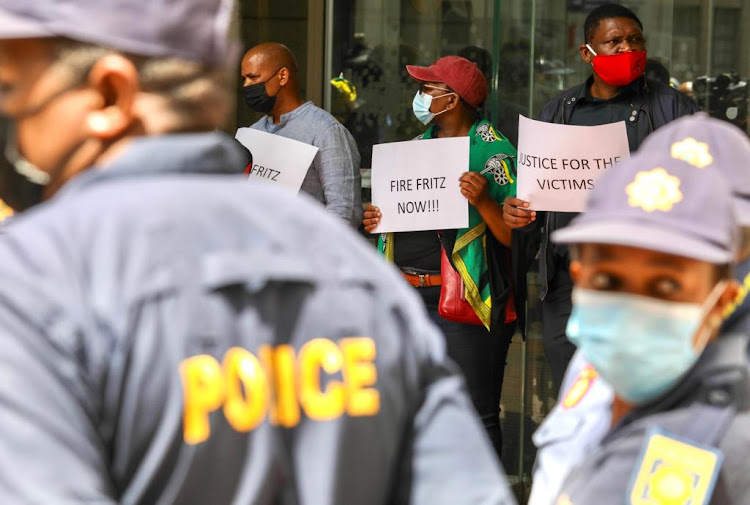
(575,270)
(283,76)
(586,55)
(718,313)
(724,304)
(115,80)
(453,101)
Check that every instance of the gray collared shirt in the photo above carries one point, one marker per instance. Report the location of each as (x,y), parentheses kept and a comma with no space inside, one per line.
(607,471)
(333,178)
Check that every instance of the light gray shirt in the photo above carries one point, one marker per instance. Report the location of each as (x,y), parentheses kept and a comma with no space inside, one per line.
(333,178)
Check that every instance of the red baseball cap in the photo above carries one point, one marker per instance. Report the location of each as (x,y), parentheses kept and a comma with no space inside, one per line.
(462,75)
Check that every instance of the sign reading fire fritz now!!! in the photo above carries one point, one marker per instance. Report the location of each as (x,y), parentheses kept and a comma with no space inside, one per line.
(415,184)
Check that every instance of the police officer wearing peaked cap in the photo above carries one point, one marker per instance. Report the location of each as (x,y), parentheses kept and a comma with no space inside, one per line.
(174,334)
(584,411)
(652,285)
(709,143)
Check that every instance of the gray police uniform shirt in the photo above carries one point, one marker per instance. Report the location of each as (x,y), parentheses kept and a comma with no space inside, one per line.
(573,429)
(333,178)
(710,407)
(172,334)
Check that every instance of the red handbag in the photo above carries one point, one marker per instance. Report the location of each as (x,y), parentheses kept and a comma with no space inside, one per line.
(453,305)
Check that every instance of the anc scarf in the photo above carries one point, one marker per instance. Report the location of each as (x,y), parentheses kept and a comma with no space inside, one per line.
(492,155)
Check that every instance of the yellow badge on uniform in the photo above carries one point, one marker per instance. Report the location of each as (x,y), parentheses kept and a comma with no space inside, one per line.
(673,471)
(580,387)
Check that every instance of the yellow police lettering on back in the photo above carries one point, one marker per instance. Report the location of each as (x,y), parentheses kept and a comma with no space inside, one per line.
(278,384)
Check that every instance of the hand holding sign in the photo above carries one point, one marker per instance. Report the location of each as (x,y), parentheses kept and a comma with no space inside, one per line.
(371,219)
(415,185)
(474,188)
(558,164)
(516,213)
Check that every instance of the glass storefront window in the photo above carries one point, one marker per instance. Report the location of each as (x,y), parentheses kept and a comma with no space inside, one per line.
(266,20)
(374,40)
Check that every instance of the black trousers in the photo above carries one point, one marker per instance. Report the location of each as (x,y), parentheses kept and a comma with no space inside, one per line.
(556,308)
(481,356)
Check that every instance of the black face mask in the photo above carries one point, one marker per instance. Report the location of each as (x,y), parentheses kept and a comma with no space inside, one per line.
(18,191)
(256,96)
(21,183)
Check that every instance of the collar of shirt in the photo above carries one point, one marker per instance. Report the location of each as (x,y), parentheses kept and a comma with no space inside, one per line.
(632,89)
(268,125)
(184,153)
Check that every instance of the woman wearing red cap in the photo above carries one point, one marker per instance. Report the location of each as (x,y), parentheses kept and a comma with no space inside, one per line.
(450,92)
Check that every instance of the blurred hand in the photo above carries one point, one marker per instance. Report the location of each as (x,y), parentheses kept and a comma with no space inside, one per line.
(516,213)
(474,188)
(371,218)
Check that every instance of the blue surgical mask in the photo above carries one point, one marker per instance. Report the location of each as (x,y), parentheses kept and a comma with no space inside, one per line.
(640,345)
(421,107)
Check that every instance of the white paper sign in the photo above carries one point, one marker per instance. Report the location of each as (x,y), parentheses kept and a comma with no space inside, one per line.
(277,159)
(558,164)
(415,184)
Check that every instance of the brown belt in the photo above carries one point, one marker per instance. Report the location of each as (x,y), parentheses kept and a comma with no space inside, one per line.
(422,280)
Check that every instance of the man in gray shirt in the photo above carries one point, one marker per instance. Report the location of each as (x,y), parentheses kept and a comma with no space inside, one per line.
(270,77)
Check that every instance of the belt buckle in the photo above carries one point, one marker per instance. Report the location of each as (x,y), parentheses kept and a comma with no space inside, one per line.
(422,282)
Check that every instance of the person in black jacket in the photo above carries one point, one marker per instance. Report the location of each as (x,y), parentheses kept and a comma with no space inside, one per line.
(617,90)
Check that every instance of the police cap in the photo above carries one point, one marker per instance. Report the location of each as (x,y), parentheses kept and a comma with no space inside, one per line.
(195,30)
(709,143)
(658,202)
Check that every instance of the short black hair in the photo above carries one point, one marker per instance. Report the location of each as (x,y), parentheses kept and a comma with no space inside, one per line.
(606,11)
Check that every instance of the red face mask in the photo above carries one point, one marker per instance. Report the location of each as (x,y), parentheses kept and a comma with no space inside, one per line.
(619,69)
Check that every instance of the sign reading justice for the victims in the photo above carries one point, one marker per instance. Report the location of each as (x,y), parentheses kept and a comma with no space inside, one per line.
(277,159)
(415,184)
(558,165)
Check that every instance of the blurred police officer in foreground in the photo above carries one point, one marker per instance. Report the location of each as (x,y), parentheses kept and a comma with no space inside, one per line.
(652,284)
(172,334)
(583,414)
(705,142)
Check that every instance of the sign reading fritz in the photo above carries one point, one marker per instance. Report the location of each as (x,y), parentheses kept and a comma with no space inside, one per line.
(277,159)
